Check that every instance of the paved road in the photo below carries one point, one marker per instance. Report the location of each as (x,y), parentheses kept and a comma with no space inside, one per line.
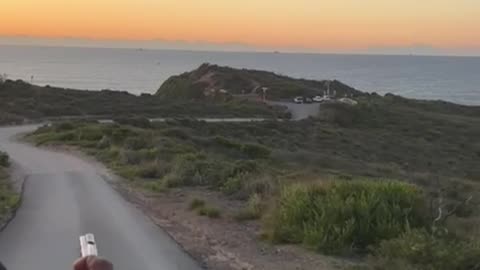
(299,111)
(64,198)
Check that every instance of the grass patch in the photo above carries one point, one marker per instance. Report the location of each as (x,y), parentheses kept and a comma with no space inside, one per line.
(420,249)
(253,209)
(338,217)
(196,203)
(8,198)
(209,211)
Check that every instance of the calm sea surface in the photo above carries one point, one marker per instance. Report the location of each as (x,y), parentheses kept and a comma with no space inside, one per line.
(455,79)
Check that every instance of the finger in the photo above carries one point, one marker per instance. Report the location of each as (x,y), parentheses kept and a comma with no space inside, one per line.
(80,264)
(96,263)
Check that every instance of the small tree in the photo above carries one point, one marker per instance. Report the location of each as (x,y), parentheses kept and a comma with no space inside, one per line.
(441,209)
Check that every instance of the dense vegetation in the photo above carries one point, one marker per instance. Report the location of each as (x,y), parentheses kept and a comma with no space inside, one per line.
(335,216)
(8,199)
(21,101)
(193,85)
(320,182)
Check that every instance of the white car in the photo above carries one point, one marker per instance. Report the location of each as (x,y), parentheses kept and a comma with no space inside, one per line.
(317,98)
(320,99)
(298,100)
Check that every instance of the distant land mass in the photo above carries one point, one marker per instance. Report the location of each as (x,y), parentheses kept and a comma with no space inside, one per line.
(208,91)
(413,49)
(207,77)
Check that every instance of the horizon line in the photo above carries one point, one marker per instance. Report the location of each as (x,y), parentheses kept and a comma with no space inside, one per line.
(232,46)
(253,50)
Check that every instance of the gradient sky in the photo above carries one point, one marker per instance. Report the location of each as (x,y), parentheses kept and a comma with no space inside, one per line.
(322,25)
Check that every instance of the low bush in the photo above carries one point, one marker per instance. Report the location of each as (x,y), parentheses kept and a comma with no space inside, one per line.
(419,249)
(234,183)
(67,136)
(177,133)
(256,150)
(136,143)
(253,209)
(209,211)
(4,159)
(155,186)
(196,170)
(103,143)
(196,203)
(130,157)
(152,170)
(65,126)
(90,133)
(338,217)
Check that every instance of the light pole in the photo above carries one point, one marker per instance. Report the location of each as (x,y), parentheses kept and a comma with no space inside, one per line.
(264,90)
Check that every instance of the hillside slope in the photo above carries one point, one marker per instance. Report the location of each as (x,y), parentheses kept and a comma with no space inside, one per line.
(208,78)
(21,101)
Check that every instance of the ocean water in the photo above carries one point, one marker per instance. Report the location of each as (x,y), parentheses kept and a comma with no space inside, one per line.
(455,79)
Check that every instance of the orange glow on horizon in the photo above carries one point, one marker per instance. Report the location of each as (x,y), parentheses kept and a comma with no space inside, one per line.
(341,24)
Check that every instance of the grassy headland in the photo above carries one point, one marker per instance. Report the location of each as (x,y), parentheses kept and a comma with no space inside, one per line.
(206,82)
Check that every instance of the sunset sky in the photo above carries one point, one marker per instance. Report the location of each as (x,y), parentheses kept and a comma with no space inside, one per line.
(309,25)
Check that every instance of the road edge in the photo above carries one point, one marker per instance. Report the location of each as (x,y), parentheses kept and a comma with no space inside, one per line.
(13,211)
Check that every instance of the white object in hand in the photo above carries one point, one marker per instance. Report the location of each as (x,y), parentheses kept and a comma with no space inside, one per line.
(88,247)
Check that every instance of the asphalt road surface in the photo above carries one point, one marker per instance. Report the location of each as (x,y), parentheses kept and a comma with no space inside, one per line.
(64,198)
(299,111)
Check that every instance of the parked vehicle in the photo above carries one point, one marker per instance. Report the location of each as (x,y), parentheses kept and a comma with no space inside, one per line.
(321,99)
(308,100)
(298,100)
(317,98)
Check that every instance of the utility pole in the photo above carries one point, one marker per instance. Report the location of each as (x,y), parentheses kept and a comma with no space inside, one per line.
(327,84)
(264,90)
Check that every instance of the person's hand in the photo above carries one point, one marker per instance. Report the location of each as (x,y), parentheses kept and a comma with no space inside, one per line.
(92,263)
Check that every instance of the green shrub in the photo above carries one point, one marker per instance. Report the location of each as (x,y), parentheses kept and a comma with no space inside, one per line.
(196,170)
(196,203)
(245,167)
(249,149)
(90,133)
(178,133)
(419,249)
(152,170)
(68,136)
(253,209)
(227,143)
(65,126)
(336,217)
(136,143)
(209,211)
(120,134)
(155,186)
(234,184)
(110,155)
(103,143)
(8,199)
(130,157)
(256,151)
(4,159)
